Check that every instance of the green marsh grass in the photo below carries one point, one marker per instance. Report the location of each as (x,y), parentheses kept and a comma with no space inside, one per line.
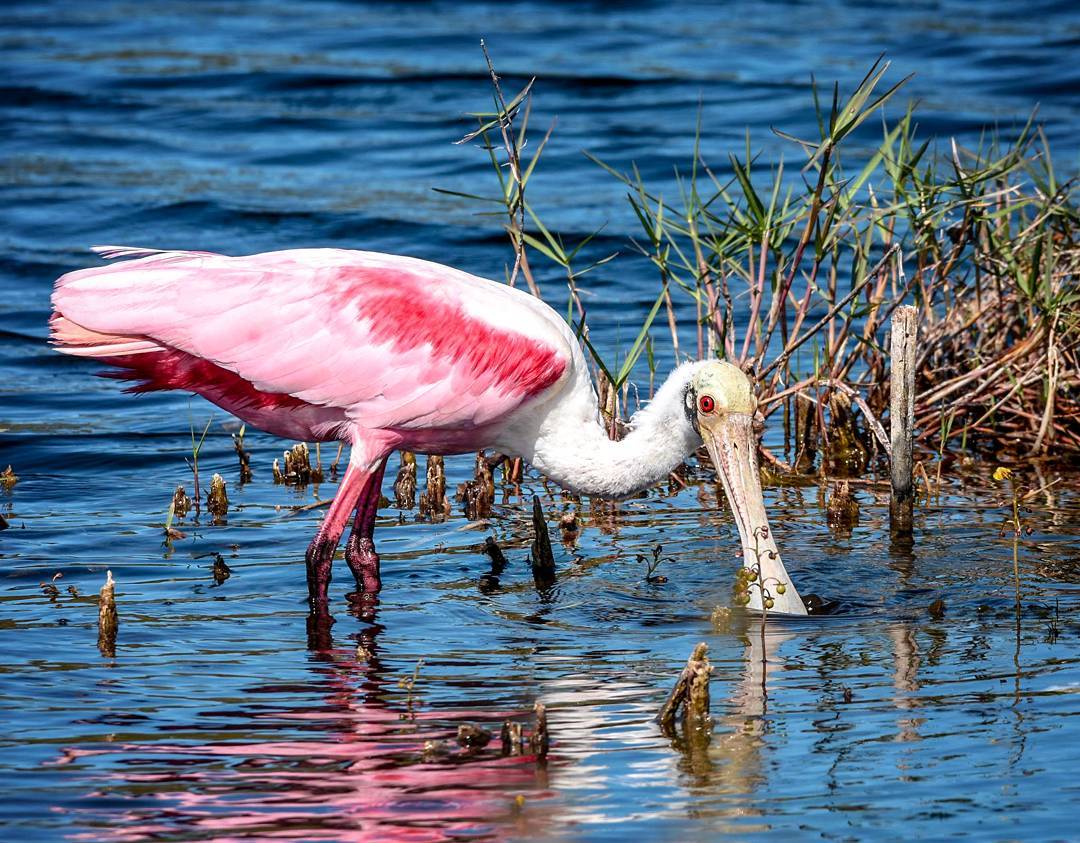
(815,256)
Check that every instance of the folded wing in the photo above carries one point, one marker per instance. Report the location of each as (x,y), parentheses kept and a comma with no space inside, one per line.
(391,342)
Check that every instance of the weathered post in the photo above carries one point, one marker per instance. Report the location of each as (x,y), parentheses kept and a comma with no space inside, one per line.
(543,560)
(405,484)
(108,619)
(902,416)
(691,693)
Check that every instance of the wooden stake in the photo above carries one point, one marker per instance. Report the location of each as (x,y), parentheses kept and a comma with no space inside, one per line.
(902,416)
(405,484)
(691,693)
(433,502)
(539,740)
(108,620)
(543,561)
(494,552)
(217,499)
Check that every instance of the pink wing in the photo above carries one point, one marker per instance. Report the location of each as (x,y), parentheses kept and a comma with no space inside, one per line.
(390,342)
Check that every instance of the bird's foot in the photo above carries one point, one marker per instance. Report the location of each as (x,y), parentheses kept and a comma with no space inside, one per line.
(364,563)
(320,559)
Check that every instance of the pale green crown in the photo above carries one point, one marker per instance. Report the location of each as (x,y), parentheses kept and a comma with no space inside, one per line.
(728,386)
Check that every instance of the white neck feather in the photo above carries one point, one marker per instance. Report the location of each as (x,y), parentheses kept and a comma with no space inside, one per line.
(573,448)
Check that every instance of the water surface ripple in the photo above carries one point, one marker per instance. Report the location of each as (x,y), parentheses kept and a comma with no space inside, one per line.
(243,127)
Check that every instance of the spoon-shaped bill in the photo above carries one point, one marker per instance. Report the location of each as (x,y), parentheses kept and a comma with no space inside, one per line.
(730,441)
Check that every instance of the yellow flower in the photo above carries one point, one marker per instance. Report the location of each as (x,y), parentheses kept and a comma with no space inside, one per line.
(1002,473)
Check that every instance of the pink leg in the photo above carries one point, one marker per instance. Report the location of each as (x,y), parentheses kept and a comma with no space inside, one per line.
(360,548)
(320,553)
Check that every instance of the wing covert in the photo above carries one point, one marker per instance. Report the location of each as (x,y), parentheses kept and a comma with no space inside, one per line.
(395,342)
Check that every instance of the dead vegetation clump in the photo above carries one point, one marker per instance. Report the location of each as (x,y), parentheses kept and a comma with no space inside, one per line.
(433,502)
(405,483)
(1000,365)
(217,499)
(297,469)
(478,495)
(181,503)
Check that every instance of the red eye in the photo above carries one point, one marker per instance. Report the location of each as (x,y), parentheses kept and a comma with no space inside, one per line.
(706,404)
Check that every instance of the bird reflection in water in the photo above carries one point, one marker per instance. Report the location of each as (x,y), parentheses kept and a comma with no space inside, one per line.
(358,766)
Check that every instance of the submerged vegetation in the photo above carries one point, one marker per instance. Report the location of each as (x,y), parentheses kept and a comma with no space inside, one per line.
(794,271)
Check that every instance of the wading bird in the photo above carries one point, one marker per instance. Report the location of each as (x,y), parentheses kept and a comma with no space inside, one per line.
(386,353)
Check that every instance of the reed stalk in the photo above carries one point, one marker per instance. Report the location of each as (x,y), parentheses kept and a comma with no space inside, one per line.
(794,273)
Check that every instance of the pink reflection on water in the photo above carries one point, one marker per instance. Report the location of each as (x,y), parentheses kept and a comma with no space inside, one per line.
(366,769)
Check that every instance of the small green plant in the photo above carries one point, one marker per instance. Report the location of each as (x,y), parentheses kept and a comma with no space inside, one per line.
(651,565)
(749,578)
(196,449)
(1053,624)
(1018,495)
(169,531)
(1014,524)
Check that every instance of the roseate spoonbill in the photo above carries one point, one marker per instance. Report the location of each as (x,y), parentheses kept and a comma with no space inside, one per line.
(386,353)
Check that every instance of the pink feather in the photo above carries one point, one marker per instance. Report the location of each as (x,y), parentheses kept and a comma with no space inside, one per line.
(317,343)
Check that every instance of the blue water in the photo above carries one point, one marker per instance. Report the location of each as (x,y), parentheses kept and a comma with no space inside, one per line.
(247,127)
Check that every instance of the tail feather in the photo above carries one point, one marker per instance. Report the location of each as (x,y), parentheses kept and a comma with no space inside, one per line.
(72,338)
(114,252)
(96,294)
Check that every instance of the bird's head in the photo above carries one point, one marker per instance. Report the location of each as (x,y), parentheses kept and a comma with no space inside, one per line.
(721,407)
(717,389)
